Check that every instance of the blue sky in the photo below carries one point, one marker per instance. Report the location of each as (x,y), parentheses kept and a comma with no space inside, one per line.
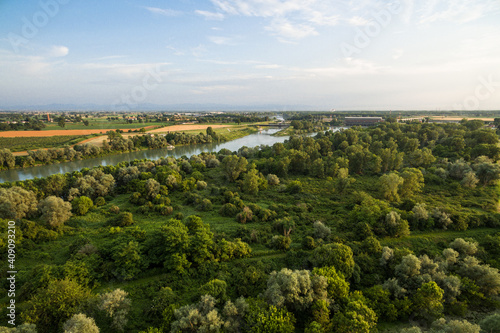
(316,54)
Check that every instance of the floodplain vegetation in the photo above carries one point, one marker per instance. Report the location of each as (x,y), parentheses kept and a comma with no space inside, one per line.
(115,143)
(393,228)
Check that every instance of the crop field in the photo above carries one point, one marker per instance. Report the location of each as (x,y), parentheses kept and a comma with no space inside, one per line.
(16,144)
(104,124)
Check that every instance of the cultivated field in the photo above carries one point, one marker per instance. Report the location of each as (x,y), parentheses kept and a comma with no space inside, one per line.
(460,118)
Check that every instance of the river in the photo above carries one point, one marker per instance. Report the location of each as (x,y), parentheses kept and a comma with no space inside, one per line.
(252,140)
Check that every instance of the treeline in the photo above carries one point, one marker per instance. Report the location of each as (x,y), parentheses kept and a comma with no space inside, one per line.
(115,143)
(232,118)
(29,124)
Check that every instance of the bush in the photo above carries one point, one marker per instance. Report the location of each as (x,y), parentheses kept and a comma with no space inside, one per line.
(273,179)
(228,210)
(114,209)
(245,216)
(201,185)
(123,220)
(81,205)
(491,323)
(281,243)
(294,187)
(100,201)
(205,205)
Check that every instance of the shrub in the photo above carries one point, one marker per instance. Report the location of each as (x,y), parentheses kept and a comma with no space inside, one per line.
(201,185)
(245,215)
(114,209)
(81,205)
(123,220)
(294,187)
(205,205)
(273,179)
(228,210)
(99,201)
(281,243)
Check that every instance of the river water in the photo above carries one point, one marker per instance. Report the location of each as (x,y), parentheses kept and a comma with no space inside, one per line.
(252,140)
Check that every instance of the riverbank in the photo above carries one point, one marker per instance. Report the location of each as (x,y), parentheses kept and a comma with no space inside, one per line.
(289,131)
(249,140)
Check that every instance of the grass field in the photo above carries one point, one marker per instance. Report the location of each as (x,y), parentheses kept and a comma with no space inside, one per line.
(28,143)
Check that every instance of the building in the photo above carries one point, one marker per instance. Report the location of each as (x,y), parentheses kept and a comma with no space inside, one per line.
(363,121)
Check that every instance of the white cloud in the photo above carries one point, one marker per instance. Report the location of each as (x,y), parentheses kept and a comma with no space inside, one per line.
(210,15)
(221,40)
(459,11)
(288,20)
(59,51)
(271,66)
(164,12)
(284,28)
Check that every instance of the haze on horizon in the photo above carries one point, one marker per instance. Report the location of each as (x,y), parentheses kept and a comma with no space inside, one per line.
(347,55)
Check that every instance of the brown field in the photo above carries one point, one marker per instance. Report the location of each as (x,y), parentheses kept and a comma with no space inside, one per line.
(460,118)
(18,134)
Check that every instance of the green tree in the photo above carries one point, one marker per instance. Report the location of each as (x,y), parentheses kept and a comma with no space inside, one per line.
(355,318)
(273,179)
(62,121)
(337,288)
(296,290)
(251,182)
(270,320)
(198,317)
(233,166)
(23,328)
(470,179)
(152,188)
(80,323)
(428,301)
(389,186)
(413,182)
(337,255)
(215,288)
(7,158)
(52,306)
(17,203)
(491,324)
(116,305)
(81,205)
(452,326)
(55,211)
(128,261)
(343,180)
(488,173)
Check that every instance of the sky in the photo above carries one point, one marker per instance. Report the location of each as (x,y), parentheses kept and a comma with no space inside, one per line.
(289,55)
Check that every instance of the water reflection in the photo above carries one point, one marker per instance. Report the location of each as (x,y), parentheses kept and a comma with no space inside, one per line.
(253,140)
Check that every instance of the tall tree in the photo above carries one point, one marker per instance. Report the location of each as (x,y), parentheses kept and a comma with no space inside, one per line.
(233,166)
(16,202)
(55,211)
